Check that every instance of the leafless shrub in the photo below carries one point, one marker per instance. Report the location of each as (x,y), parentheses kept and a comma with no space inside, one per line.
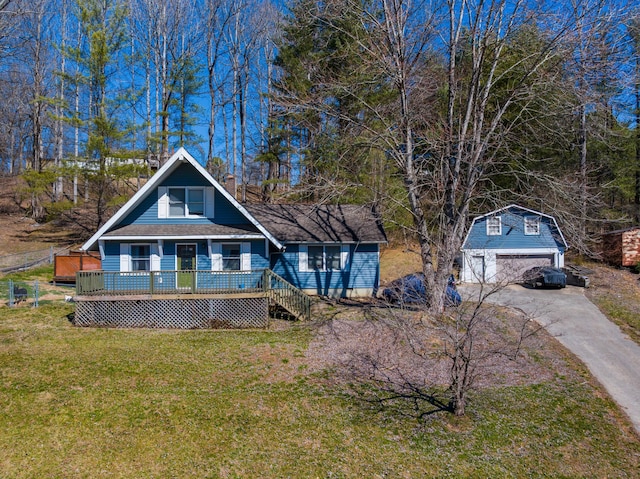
(419,364)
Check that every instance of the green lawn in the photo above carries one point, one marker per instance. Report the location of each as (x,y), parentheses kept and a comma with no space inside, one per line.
(240,404)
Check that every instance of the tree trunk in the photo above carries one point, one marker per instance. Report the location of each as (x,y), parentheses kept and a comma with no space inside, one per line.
(637,115)
(582,140)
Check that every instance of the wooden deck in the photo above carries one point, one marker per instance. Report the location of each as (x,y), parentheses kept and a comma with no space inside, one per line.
(184,299)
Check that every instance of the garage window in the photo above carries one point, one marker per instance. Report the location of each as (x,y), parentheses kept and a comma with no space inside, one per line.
(531,225)
(494,226)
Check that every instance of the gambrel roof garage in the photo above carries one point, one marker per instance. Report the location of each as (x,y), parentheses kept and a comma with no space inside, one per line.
(503,244)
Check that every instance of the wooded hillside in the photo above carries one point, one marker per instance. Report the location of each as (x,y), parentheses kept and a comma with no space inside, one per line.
(432,111)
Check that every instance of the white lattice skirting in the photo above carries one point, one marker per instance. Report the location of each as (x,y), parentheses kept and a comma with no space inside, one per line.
(183,313)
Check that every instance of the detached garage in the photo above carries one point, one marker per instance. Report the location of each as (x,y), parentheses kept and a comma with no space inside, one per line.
(505,243)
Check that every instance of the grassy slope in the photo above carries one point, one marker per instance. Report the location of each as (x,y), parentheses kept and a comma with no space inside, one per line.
(117,403)
(617,293)
(138,403)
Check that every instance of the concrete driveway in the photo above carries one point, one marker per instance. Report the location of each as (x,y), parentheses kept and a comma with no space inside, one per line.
(570,317)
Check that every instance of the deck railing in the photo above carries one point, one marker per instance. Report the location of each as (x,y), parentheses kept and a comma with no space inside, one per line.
(286,295)
(114,283)
(101,283)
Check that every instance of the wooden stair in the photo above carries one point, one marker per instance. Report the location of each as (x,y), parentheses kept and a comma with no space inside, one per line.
(287,296)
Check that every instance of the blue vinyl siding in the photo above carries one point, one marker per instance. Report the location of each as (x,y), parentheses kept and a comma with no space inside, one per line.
(513,236)
(365,267)
(240,280)
(362,271)
(185,175)
(168,260)
(259,255)
(111,262)
(227,214)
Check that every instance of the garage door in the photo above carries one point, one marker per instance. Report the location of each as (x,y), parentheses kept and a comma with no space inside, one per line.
(510,267)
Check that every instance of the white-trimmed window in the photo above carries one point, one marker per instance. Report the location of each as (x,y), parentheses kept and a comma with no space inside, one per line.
(185,202)
(531,225)
(231,257)
(140,257)
(323,257)
(494,226)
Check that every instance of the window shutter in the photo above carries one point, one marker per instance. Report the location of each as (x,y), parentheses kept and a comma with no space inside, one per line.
(125,257)
(162,202)
(209,202)
(216,257)
(245,257)
(344,256)
(303,259)
(155,257)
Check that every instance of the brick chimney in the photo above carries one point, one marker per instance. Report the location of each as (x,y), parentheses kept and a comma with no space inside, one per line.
(230,185)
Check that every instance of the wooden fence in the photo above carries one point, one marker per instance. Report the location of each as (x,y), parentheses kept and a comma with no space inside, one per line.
(66,266)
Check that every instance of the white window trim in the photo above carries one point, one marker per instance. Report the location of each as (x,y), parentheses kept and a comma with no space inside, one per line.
(245,256)
(208,196)
(488,226)
(231,243)
(215,251)
(527,224)
(303,258)
(187,192)
(126,259)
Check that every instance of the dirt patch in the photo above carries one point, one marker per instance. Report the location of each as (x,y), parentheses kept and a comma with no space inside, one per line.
(401,346)
(19,234)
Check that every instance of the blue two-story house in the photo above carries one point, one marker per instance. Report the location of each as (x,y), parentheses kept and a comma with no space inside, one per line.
(503,244)
(183,227)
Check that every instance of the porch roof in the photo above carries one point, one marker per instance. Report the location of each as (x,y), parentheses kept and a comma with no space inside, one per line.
(178,231)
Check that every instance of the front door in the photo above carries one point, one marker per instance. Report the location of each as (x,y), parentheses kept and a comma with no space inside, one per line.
(186,263)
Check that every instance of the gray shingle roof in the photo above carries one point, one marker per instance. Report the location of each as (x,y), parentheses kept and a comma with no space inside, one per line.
(319,223)
(287,223)
(183,230)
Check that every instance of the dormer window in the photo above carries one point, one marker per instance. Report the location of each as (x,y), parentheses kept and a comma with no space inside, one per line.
(531,225)
(494,226)
(186,202)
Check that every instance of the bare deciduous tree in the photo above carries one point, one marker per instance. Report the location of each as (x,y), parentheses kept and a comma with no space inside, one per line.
(406,355)
(462,86)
